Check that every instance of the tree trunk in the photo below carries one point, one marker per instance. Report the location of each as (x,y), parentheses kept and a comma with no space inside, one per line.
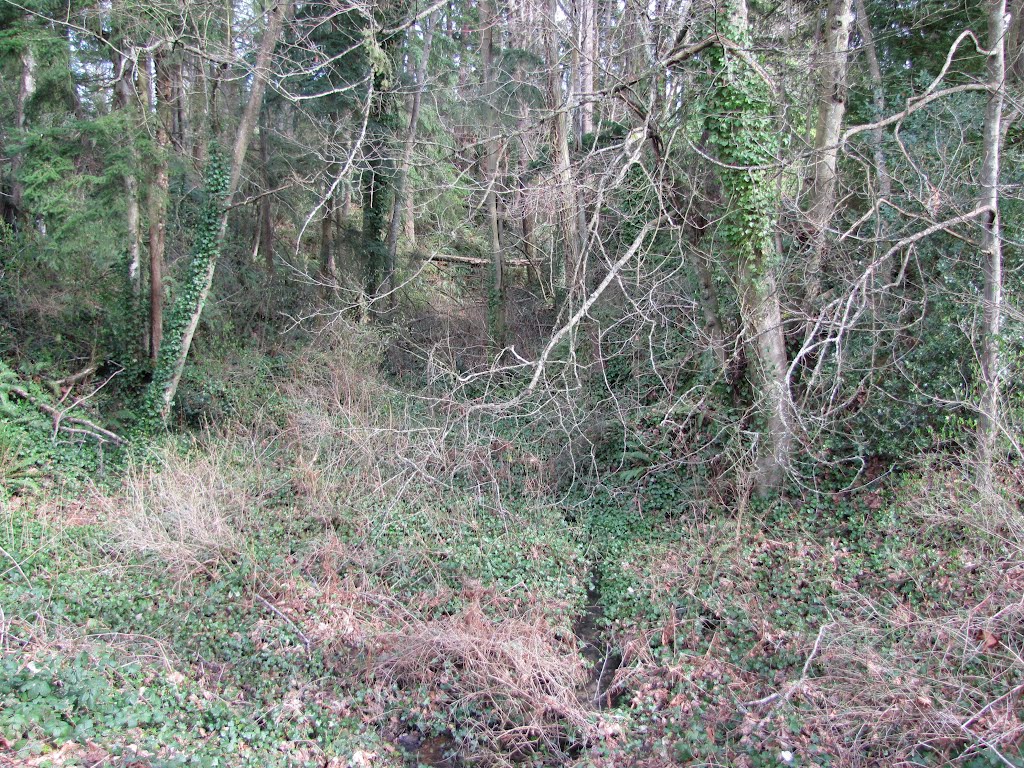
(201,95)
(565,262)
(192,299)
(521,205)
(132,223)
(708,301)
(748,143)
(1014,49)
(266,205)
(992,255)
(327,263)
(403,200)
(832,95)
(26,86)
(489,168)
(378,183)
(762,329)
(230,81)
(588,58)
(179,123)
(26,90)
(125,95)
(409,220)
(877,99)
(157,200)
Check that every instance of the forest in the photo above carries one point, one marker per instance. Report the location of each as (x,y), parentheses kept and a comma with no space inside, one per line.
(585,383)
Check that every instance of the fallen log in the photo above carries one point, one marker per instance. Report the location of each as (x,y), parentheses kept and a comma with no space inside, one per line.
(473,261)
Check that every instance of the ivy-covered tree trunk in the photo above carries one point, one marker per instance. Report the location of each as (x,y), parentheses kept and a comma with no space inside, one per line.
(159,185)
(191,297)
(743,135)
(221,184)
(378,177)
(378,197)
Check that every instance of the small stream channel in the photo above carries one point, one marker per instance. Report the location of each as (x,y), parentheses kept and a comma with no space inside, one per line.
(604,659)
(602,655)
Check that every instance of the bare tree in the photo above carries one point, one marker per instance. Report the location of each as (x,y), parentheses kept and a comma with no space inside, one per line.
(568,263)
(832,96)
(159,185)
(403,198)
(992,249)
(489,166)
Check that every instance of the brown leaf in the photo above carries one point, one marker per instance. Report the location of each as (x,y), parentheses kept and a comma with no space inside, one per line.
(668,632)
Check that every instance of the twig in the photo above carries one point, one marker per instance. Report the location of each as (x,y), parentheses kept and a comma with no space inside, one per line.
(260,196)
(792,688)
(807,664)
(638,241)
(444,258)
(913,106)
(981,712)
(17,565)
(600,677)
(682,54)
(295,628)
(990,746)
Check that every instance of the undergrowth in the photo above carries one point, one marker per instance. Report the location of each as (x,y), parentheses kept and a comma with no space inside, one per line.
(350,576)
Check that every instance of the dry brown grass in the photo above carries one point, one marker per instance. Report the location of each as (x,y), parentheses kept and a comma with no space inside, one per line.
(337,446)
(187,510)
(942,684)
(519,677)
(354,436)
(514,679)
(899,681)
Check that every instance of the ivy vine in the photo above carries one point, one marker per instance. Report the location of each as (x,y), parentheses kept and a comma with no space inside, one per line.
(204,254)
(741,133)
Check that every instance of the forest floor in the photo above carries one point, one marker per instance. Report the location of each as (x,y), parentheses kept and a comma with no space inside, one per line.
(323,581)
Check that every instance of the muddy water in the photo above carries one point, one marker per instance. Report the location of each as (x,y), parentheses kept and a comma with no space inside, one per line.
(603,656)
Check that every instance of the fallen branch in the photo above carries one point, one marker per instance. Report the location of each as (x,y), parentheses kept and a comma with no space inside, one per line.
(637,244)
(792,688)
(17,565)
(74,378)
(91,428)
(472,261)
